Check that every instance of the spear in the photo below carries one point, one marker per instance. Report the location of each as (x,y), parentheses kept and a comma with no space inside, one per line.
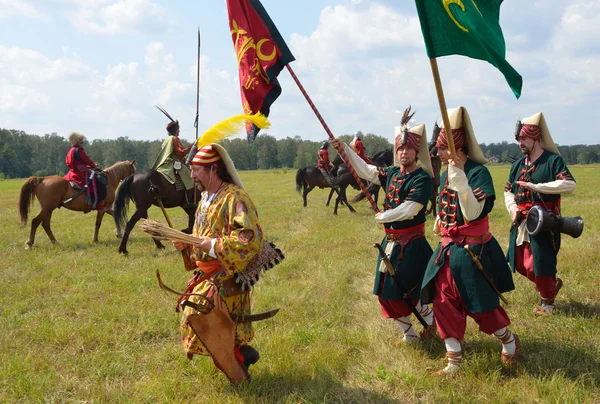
(194,148)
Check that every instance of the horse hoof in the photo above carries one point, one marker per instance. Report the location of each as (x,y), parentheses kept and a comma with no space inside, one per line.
(160,247)
(123,251)
(27,247)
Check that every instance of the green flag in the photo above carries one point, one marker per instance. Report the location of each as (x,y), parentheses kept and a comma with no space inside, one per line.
(470,28)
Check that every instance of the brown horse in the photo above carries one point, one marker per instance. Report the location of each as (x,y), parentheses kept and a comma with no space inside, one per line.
(52,191)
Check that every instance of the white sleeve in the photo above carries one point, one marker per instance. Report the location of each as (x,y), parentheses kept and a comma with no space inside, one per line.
(509,201)
(405,211)
(436,226)
(470,207)
(366,171)
(554,187)
(212,248)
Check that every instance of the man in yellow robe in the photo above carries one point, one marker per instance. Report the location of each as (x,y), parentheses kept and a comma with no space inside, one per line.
(227,223)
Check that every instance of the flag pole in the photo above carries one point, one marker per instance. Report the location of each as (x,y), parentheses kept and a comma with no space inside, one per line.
(441,100)
(340,150)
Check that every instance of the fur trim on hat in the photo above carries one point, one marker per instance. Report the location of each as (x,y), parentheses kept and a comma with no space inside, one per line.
(75,138)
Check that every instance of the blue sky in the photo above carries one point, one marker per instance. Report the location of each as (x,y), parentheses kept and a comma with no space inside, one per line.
(99,66)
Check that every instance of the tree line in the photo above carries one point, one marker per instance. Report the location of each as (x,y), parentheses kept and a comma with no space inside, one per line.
(23,155)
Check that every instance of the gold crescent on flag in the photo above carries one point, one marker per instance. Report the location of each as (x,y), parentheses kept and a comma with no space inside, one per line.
(460,4)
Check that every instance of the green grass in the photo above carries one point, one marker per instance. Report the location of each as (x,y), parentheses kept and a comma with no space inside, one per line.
(80,323)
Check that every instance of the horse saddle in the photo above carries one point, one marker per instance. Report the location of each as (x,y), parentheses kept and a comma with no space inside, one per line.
(75,185)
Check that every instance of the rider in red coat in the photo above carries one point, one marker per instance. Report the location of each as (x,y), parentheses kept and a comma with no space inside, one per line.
(359,148)
(323,157)
(79,163)
(77,160)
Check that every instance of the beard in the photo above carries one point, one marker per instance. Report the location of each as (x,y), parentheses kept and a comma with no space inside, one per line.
(525,150)
(199,185)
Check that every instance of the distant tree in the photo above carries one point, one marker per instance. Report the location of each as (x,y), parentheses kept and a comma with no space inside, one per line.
(22,154)
(265,149)
(286,151)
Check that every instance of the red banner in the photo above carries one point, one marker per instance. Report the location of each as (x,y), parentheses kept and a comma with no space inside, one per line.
(261,54)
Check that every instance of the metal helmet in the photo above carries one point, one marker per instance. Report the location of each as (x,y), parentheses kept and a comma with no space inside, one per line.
(325,145)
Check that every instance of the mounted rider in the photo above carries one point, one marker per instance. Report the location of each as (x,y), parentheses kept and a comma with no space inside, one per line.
(357,146)
(324,164)
(170,161)
(84,173)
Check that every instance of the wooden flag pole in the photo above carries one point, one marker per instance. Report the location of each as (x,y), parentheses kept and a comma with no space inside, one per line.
(442,101)
(340,150)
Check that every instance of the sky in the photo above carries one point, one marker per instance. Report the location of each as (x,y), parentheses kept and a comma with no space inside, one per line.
(99,66)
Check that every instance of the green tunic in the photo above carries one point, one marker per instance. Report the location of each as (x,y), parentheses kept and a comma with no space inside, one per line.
(164,165)
(415,186)
(544,246)
(474,290)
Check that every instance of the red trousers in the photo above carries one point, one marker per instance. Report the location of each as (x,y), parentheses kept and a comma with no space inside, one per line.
(393,308)
(545,285)
(451,313)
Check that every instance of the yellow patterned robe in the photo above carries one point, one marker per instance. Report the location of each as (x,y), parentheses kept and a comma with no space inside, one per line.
(232,219)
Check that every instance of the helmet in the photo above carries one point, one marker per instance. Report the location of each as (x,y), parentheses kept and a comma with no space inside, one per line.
(325,145)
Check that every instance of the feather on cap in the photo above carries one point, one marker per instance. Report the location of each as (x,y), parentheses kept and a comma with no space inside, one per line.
(231,127)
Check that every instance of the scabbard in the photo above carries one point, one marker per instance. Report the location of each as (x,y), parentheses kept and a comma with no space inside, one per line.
(479,266)
(392,272)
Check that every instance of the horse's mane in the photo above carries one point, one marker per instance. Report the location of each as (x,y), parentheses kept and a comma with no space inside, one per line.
(381,153)
(119,169)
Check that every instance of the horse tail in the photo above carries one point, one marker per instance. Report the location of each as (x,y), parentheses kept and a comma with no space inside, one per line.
(372,189)
(25,198)
(357,198)
(121,204)
(300,178)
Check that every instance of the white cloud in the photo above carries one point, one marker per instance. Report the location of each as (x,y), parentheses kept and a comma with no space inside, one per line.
(28,66)
(120,17)
(20,98)
(578,30)
(20,8)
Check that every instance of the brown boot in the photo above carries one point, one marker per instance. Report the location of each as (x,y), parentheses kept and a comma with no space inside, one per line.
(510,360)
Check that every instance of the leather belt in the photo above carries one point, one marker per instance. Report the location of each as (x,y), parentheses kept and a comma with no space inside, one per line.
(462,240)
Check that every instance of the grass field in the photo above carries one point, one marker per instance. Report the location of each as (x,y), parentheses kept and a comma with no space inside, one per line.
(80,323)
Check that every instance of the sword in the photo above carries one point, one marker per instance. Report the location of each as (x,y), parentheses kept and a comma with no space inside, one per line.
(392,272)
(477,262)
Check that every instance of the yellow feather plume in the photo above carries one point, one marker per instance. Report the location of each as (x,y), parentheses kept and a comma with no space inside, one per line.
(230,127)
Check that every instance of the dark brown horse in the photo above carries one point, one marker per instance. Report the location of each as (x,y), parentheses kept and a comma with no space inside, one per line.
(384,158)
(137,188)
(52,191)
(308,178)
